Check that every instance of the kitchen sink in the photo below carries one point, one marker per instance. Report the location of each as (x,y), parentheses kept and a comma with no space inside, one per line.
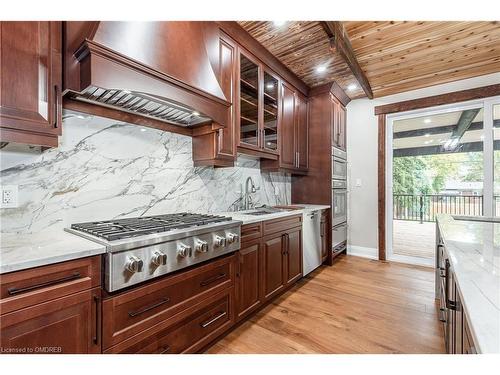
(268,210)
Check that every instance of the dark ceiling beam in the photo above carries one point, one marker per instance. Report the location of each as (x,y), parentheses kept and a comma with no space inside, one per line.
(339,40)
(440,130)
(464,122)
(435,150)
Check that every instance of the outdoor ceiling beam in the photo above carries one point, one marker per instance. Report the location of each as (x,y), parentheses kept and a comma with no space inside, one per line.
(464,122)
(340,42)
(439,130)
(439,150)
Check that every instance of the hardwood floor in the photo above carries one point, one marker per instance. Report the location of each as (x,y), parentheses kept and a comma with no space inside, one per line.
(355,306)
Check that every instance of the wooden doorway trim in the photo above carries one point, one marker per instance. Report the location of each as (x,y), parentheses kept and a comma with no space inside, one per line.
(408,105)
(381,187)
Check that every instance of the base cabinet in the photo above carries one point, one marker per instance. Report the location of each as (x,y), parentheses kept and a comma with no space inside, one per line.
(293,256)
(274,255)
(248,292)
(457,336)
(67,321)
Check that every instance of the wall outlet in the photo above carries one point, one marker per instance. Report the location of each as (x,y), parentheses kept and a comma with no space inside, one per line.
(9,196)
(358,182)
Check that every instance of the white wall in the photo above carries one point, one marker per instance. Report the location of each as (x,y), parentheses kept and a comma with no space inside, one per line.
(362,158)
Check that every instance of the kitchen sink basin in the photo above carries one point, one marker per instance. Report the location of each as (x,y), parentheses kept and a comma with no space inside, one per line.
(268,210)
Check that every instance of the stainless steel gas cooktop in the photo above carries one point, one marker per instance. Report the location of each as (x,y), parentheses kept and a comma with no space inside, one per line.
(143,248)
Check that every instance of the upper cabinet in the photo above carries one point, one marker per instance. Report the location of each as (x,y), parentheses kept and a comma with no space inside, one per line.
(30,82)
(293,133)
(257,115)
(338,115)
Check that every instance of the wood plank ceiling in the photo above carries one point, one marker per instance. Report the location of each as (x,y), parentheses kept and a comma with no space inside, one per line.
(396,56)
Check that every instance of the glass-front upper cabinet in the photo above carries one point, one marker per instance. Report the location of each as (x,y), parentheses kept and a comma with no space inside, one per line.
(259,98)
(249,102)
(270,133)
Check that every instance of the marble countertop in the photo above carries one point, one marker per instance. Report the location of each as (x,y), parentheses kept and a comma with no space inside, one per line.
(22,251)
(474,250)
(249,219)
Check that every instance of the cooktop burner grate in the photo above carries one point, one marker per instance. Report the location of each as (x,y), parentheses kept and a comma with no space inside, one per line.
(112,230)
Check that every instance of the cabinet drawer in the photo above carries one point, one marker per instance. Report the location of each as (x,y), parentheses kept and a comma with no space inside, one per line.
(280,225)
(29,287)
(251,232)
(196,328)
(130,313)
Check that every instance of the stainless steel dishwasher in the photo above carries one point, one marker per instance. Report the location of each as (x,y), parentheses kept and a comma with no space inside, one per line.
(311,241)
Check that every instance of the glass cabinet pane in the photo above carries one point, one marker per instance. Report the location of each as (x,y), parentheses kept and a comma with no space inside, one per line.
(249,101)
(270,112)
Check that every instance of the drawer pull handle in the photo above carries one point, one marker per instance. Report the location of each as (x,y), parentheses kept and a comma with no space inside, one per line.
(14,291)
(213,279)
(214,319)
(145,309)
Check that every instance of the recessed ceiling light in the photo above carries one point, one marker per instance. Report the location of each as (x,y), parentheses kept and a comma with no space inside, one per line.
(321,69)
(143,130)
(279,23)
(427,135)
(352,87)
(427,121)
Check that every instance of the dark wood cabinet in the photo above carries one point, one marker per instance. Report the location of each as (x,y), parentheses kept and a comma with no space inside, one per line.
(257,108)
(30,82)
(52,309)
(293,256)
(338,116)
(293,133)
(273,265)
(324,235)
(217,146)
(282,255)
(249,288)
(66,325)
(302,133)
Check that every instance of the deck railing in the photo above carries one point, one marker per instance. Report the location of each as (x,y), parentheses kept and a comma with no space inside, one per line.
(426,207)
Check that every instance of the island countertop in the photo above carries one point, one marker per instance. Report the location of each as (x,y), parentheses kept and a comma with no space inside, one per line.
(474,250)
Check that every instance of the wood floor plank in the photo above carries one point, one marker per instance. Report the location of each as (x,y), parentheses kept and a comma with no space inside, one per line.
(355,306)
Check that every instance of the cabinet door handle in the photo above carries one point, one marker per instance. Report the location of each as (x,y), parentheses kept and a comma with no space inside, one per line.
(14,291)
(214,319)
(213,279)
(133,314)
(97,301)
(449,303)
(56,105)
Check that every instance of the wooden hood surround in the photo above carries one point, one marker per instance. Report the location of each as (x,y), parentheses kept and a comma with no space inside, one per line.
(129,70)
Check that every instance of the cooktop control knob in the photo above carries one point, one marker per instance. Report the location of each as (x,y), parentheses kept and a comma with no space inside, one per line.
(134,264)
(201,246)
(232,238)
(183,250)
(159,258)
(220,241)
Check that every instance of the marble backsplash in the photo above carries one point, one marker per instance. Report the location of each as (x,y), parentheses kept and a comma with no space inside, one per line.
(104,169)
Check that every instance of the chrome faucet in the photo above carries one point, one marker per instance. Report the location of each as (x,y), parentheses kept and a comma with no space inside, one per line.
(253,189)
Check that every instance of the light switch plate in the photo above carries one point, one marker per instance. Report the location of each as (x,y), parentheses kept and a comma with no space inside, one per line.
(9,196)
